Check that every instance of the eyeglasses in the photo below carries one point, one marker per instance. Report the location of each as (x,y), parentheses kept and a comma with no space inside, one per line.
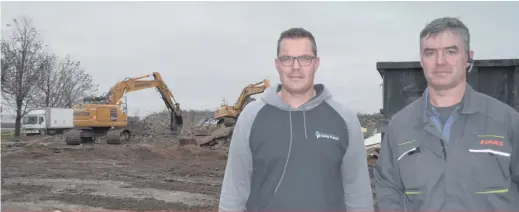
(304,60)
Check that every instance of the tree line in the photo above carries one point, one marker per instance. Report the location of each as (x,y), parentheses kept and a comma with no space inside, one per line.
(33,76)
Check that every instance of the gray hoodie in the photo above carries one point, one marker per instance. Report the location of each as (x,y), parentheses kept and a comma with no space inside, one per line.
(307,158)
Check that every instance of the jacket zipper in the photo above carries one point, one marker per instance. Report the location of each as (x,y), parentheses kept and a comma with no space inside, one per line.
(444,149)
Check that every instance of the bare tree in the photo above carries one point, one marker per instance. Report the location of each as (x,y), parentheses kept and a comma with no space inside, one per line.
(46,88)
(78,83)
(62,84)
(22,63)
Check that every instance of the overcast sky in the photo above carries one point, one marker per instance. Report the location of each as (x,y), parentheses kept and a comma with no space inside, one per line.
(210,51)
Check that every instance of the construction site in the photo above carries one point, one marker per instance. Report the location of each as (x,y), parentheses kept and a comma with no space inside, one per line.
(133,106)
(175,159)
(42,173)
(107,160)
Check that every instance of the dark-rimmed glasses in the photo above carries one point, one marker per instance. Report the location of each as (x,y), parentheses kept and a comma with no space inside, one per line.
(303,60)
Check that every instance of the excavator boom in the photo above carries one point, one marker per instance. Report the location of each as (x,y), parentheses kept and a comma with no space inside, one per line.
(134,84)
(250,90)
(232,112)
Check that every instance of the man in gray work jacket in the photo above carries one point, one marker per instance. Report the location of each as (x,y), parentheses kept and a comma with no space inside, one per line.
(454,148)
(296,149)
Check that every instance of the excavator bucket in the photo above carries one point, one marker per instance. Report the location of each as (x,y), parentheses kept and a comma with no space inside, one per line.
(177,123)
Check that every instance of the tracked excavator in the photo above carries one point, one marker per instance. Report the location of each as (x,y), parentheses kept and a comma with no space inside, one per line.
(227,115)
(107,115)
(217,130)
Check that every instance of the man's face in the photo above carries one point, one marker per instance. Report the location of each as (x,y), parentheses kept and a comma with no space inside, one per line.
(296,75)
(444,59)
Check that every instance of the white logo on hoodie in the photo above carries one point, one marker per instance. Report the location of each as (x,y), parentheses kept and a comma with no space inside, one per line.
(326,135)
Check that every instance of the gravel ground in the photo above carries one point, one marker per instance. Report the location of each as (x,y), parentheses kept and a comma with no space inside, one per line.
(43,174)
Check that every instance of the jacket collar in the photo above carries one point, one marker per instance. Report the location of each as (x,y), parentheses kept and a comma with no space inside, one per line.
(469,104)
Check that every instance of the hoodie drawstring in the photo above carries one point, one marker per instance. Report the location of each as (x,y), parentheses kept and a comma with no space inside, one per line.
(288,154)
(272,98)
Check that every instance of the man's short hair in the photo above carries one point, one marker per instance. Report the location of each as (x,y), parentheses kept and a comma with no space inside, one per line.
(447,23)
(296,33)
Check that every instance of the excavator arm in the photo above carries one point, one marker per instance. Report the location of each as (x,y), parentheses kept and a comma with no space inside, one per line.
(116,93)
(250,90)
(230,113)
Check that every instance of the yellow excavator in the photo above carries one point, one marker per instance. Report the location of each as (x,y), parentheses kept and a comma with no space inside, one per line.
(228,115)
(107,115)
(217,130)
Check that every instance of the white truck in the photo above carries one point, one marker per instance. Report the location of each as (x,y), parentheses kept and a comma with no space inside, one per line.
(47,121)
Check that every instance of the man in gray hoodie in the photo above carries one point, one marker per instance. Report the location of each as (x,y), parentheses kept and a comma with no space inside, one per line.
(296,148)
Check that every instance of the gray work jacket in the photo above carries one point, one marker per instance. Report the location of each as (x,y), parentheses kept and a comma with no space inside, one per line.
(477,169)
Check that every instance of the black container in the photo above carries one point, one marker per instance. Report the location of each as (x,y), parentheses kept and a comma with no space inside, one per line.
(404,82)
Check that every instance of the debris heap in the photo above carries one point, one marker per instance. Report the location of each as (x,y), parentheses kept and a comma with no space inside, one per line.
(155,125)
(370,122)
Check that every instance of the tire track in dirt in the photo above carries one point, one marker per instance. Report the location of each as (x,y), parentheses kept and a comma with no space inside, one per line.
(108,194)
(47,205)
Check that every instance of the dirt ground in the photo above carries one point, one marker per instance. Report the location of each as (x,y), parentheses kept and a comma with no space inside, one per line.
(44,174)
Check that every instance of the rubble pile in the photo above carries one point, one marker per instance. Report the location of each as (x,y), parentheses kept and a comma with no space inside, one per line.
(206,127)
(155,125)
(370,122)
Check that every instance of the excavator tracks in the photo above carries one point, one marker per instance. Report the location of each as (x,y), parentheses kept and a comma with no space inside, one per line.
(73,137)
(79,136)
(116,136)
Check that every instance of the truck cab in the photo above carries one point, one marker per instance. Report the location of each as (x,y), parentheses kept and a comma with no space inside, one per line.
(34,123)
(43,121)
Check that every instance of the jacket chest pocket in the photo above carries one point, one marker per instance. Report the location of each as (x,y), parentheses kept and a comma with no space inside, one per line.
(490,167)
(410,159)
